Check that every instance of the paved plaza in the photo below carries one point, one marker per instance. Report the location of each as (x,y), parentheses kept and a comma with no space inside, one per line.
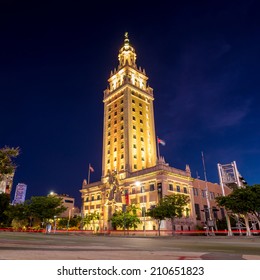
(69,246)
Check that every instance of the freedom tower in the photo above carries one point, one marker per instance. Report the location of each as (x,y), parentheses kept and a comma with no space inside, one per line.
(133,172)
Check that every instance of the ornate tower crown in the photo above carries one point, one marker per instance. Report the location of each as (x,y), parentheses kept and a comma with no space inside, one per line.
(127,55)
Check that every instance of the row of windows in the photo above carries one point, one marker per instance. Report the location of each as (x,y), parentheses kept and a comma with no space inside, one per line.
(212,195)
(178,188)
(122,102)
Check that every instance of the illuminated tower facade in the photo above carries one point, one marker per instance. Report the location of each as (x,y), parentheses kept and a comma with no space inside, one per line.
(128,134)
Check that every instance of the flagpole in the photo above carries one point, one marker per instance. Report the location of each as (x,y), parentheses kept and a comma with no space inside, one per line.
(207,192)
(88,173)
(158,148)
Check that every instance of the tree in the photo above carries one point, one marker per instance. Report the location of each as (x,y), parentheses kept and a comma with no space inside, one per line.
(46,207)
(7,165)
(174,205)
(18,214)
(4,204)
(158,213)
(242,201)
(126,219)
(91,218)
(40,208)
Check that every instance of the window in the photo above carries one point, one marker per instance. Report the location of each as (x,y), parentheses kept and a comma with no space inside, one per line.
(152,187)
(195,192)
(134,146)
(135,166)
(197,211)
(98,197)
(87,199)
(133,190)
(92,198)
(142,139)
(141,130)
(133,118)
(133,109)
(185,190)
(141,121)
(134,127)
(170,187)
(178,188)
(212,195)
(203,193)
(142,189)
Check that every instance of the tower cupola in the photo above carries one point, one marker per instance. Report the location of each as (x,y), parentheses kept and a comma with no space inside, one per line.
(127,55)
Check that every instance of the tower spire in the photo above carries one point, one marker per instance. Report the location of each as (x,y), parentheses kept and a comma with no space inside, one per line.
(127,53)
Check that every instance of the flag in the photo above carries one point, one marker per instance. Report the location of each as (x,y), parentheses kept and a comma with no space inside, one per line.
(160,141)
(91,168)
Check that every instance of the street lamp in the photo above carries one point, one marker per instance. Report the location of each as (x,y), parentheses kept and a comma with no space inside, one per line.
(69,218)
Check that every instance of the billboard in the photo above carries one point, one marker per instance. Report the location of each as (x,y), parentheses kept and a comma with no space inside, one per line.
(20,193)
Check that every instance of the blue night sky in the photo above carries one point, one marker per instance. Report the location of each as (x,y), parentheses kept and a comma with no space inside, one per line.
(202,59)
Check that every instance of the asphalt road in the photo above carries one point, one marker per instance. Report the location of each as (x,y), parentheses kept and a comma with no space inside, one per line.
(40,246)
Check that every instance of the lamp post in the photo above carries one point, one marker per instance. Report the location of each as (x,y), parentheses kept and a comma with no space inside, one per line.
(55,226)
(69,218)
